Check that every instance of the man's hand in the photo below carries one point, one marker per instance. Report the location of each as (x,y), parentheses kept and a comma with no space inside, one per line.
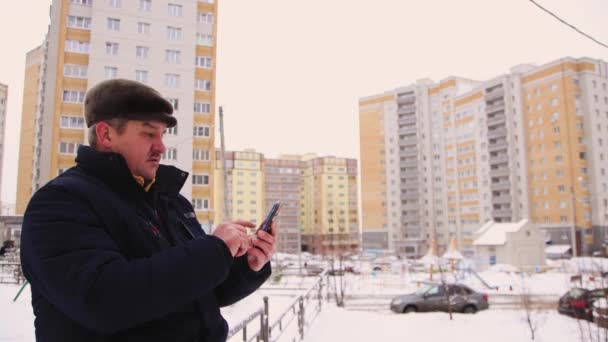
(262,248)
(234,235)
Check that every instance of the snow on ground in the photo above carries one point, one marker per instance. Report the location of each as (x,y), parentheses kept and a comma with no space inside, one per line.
(336,324)
(16,319)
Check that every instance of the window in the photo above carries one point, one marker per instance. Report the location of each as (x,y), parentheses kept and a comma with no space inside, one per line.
(60,171)
(200,179)
(175,10)
(203,62)
(73,96)
(172,56)
(111,49)
(110,72)
(75,70)
(563,219)
(143,28)
(142,52)
(174,33)
(561,188)
(554,117)
(172,80)
(145,5)
(207,1)
(72,122)
(200,84)
(556,130)
(76,46)
(79,22)
(206,18)
(202,107)
(170,154)
(68,147)
(174,102)
(553,87)
(201,131)
(204,39)
(82,2)
(116,3)
(172,130)
(200,204)
(141,76)
(200,154)
(113,24)
(554,101)
(559,159)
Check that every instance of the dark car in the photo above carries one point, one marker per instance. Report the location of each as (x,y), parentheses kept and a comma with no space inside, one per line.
(433,297)
(578,302)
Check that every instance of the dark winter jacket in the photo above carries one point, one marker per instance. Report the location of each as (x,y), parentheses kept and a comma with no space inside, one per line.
(108,261)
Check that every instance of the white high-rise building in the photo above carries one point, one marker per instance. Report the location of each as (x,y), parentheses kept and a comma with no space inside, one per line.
(440,160)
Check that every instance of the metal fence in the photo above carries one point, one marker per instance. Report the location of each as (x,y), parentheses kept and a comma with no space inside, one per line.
(302,311)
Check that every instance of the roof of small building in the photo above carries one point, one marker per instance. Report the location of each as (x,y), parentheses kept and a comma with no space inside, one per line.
(495,234)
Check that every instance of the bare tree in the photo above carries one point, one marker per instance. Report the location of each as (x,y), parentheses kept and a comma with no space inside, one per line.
(532,318)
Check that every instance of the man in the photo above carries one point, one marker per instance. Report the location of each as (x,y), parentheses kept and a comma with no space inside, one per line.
(111,249)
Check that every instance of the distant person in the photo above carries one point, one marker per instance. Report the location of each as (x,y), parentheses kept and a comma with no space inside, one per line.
(111,249)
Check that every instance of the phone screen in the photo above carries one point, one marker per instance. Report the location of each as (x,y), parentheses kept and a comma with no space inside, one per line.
(271,215)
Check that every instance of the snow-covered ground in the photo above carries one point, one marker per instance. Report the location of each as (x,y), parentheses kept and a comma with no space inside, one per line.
(352,324)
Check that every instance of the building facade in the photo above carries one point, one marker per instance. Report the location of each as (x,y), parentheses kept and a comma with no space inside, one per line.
(3,105)
(169,45)
(318,197)
(440,160)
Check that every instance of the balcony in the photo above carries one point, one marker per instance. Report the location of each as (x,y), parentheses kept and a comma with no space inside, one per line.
(503,199)
(500,186)
(495,107)
(499,159)
(497,133)
(496,120)
(408,141)
(495,94)
(502,213)
(410,185)
(410,195)
(411,206)
(406,99)
(406,109)
(407,120)
(408,163)
(499,146)
(410,152)
(407,130)
(500,172)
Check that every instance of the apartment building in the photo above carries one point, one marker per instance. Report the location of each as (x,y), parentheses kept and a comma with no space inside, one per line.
(283,182)
(318,198)
(245,186)
(169,45)
(3,105)
(440,159)
(328,206)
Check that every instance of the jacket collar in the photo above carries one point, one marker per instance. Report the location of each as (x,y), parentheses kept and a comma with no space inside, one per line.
(112,169)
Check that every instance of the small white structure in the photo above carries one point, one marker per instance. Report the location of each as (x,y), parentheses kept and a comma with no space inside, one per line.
(520,244)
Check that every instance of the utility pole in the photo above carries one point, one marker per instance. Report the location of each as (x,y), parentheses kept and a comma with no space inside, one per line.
(226,211)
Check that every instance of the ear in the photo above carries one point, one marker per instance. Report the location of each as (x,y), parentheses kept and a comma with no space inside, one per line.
(105,133)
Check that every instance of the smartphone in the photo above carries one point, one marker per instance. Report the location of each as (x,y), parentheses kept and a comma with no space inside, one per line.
(271,215)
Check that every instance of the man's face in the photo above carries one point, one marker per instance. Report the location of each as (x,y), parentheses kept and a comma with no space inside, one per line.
(141,144)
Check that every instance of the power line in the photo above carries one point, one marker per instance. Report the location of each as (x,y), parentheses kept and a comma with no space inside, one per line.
(568,24)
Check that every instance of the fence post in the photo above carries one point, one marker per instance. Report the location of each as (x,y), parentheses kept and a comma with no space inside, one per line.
(265,324)
(303,318)
(320,293)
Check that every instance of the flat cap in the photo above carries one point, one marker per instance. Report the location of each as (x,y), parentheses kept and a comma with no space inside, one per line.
(120,98)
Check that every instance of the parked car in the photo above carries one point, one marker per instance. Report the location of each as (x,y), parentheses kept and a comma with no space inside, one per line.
(432,297)
(578,302)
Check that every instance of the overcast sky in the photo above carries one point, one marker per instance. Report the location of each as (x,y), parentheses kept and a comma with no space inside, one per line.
(290,73)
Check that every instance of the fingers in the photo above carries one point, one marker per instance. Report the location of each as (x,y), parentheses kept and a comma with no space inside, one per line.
(262,235)
(264,246)
(243,223)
